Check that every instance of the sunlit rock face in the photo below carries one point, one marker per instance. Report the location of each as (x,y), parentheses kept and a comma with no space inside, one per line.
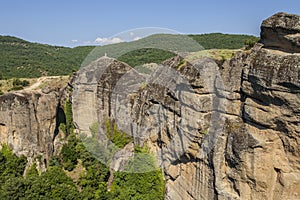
(218,130)
(282,31)
(28,124)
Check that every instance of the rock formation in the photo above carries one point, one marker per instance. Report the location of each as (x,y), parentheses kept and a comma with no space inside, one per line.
(281,31)
(219,131)
(29,124)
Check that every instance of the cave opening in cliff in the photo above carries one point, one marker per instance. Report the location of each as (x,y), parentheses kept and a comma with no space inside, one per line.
(60,119)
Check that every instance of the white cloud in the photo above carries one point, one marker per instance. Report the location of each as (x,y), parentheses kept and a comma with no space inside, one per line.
(74,41)
(108,40)
(131,34)
(137,38)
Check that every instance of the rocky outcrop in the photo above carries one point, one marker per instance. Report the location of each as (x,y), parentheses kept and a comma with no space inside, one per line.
(90,96)
(259,154)
(29,124)
(218,132)
(282,31)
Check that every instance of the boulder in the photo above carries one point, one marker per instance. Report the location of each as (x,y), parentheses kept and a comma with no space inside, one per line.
(282,31)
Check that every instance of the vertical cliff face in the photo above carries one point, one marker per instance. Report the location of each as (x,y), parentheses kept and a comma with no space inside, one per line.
(28,124)
(218,132)
(268,157)
(259,158)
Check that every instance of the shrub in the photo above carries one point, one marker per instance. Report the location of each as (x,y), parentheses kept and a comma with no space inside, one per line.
(69,117)
(16,81)
(18,84)
(69,154)
(118,137)
(25,83)
(249,43)
(32,171)
(15,88)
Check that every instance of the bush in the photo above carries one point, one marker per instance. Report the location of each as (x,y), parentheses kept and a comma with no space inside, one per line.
(16,82)
(53,184)
(69,165)
(249,43)
(69,118)
(55,161)
(119,138)
(92,184)
(62,127)
(148,185)
(25,83)
(69,154)
(15,88)
(32,171)
(11,165)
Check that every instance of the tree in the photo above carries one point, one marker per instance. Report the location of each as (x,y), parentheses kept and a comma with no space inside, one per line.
(249,43)
(69,117)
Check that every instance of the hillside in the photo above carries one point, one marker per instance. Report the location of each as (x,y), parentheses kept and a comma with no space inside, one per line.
(23,59)
(198,128)
(20,58)
(222,41)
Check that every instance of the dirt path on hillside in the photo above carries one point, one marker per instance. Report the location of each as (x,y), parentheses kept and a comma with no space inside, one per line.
(39,82)
(36,85)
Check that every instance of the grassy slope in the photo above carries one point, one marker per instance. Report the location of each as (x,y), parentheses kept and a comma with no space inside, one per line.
(36,83)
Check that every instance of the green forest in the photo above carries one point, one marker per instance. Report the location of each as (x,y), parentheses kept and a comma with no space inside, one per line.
(89,181)
(76,173)
(223,41)
(23,59)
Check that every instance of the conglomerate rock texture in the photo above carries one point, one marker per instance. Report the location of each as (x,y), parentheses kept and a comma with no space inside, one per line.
(227,131)
(29,123)
(219,131)
(281,31)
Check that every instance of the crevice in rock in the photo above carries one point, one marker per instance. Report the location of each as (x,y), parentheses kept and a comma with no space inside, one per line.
(278,176)
(172,95)
(60,119)
(248,120)
(37,121)
(292,88)
(233,184)
(212,167)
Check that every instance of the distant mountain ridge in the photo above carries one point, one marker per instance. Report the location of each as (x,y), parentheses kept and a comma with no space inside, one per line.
(23,59)
(20,58)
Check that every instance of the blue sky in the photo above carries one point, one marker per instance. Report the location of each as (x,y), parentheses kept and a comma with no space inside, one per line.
(72,23)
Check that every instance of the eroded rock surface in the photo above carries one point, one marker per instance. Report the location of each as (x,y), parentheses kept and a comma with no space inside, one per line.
(282,31)
(28,124)
(218,132)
